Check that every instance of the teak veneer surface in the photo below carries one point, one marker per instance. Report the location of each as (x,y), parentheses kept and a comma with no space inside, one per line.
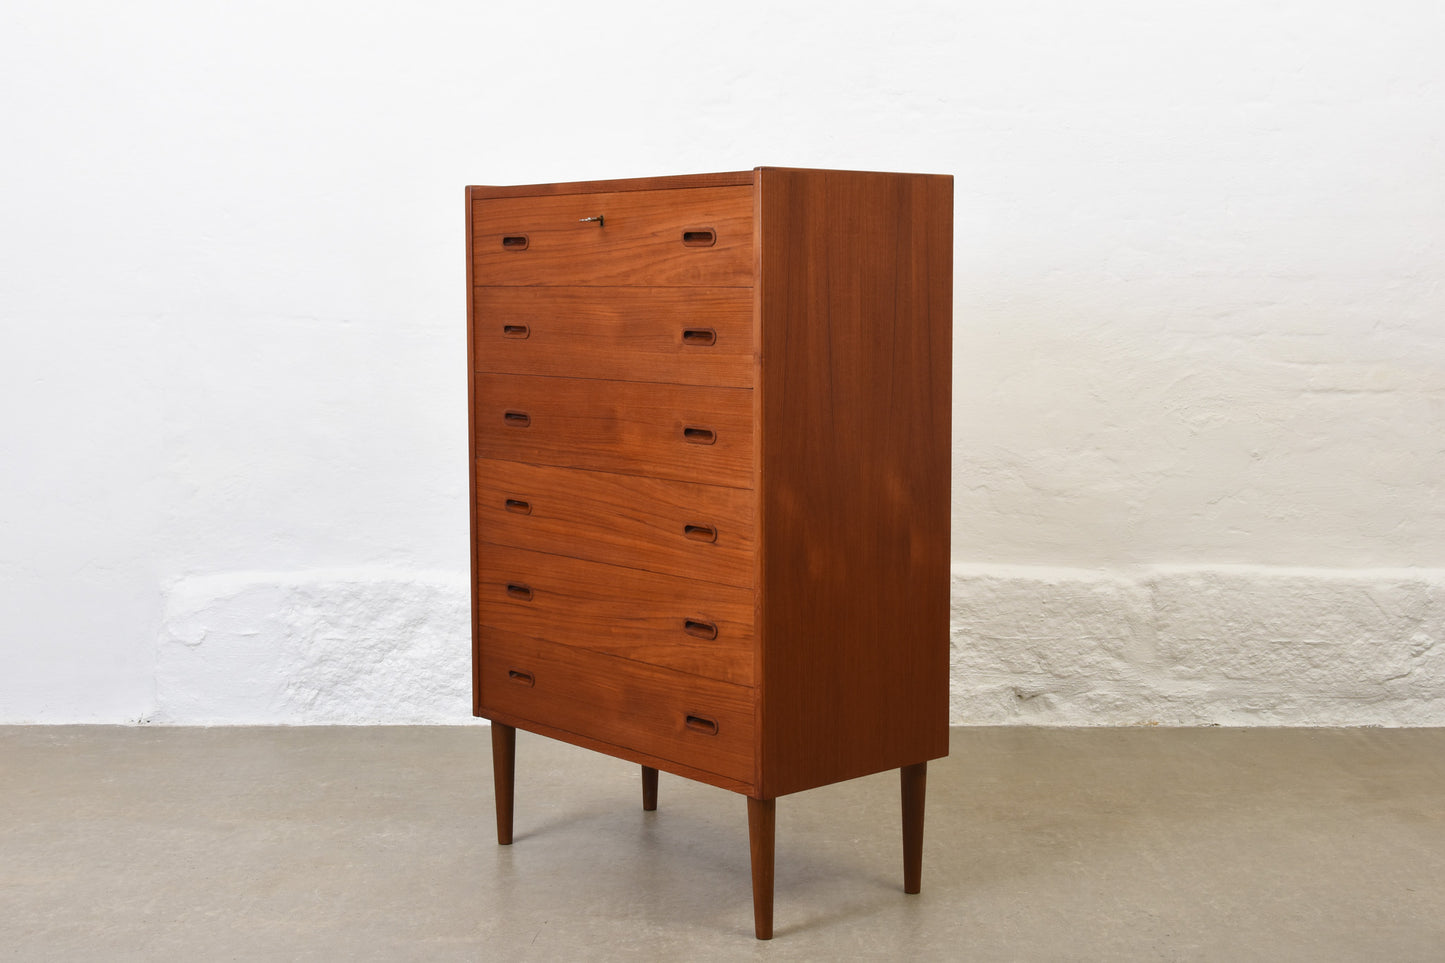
(625,612)
(671,527)
(630,753)
(618,333)
(621,702)
(618,426)
(856,309)
(640,241)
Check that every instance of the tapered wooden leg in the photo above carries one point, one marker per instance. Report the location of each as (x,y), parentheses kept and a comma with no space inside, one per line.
(760,839)
(649,788)
(504,776)
(913,781)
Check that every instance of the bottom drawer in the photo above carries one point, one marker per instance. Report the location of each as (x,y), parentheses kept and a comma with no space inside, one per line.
(697,722)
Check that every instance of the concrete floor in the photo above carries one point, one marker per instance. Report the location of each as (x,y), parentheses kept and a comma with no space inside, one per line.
(1042,844)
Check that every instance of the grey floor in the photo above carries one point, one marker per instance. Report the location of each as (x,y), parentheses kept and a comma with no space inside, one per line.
(1041,844)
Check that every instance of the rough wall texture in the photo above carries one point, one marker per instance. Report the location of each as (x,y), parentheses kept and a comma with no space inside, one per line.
(344,647)
(1152,646)
(1198,646)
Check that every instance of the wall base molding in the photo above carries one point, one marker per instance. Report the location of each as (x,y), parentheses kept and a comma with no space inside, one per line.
(1190,645)
(1162,645)
(342,647)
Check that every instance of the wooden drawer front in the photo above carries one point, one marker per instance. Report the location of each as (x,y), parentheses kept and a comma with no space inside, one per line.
(697,627)
(695,336)
(681,432)
(677,528)
(696,722)
(677,237)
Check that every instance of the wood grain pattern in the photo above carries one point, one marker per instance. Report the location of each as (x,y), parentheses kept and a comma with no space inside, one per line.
(620,752)
(631,614)
(671,527)
(472,453)
(664,183)
(856,319)
(620,702)
(617,333)
(639,242)
(617,426)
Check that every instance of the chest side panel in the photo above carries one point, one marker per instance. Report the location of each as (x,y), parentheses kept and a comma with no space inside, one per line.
(856,314)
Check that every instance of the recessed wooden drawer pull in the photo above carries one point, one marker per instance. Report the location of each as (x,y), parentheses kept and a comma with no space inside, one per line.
(700,630)
(519,507)
(517,419)
(516,331)
(699,237)
(515,242)
(703,724)
(705,337)
(519,592)
(700,533)
(699,436)
(521,678)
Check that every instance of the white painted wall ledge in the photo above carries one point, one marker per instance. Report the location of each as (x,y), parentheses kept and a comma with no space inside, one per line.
(1198,645)
(1159,645)
(320,647)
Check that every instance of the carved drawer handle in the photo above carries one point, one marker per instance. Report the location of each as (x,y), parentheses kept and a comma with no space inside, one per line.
(702,337)
(702,724)
(699,436)
(700,630)
(700,533)
(522,678)
(519,592)
(514,242)
(518,331)
(519,507)
(699,237)
(517,419)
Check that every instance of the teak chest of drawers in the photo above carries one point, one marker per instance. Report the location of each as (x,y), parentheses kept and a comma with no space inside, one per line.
(710,480)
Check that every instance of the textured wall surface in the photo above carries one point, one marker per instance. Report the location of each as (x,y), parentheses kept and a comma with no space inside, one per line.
(344,647)
(1174,645)
(1199,337)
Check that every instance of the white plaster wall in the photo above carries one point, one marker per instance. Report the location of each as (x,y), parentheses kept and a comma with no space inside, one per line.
(1199,347)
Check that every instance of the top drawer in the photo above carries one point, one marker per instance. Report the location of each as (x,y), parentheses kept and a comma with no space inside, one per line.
(672,237)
